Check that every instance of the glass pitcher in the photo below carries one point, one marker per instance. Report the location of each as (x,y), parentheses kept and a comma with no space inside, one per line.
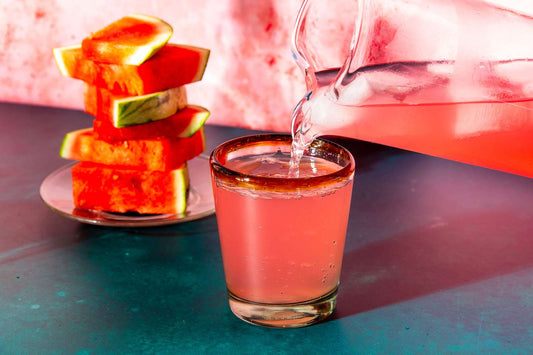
(450,78)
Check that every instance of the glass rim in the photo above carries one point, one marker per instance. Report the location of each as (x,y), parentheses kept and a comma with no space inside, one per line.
(286,183)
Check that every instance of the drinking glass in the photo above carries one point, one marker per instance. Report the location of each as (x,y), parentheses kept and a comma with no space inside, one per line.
(282,236)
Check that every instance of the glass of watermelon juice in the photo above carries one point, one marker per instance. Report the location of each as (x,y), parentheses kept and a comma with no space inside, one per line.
(281,235)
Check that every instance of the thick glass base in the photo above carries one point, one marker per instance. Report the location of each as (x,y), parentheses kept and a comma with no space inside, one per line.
(289,315)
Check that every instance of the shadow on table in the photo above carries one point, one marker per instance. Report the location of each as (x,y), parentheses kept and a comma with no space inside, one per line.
(39,232)
(155,281)
(64,233)
(434,258)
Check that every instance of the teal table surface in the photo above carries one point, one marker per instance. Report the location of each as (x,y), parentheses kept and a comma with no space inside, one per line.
(438,259)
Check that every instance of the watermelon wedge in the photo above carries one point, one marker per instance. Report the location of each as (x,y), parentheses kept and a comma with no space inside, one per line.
(131,40)
(108,188)
(123,110)
(147,154)
(182,124)
(172,66)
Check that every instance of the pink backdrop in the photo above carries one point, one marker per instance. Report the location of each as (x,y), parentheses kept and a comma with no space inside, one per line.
(251,80)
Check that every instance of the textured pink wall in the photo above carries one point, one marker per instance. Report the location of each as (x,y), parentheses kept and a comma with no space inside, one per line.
(251,79)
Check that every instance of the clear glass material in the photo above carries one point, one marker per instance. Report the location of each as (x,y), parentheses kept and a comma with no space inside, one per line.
(451,78)
(282,238)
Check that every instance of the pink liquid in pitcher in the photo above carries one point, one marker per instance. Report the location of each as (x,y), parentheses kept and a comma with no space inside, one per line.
(449,78)
(489,125)
(272,253)
(494,135)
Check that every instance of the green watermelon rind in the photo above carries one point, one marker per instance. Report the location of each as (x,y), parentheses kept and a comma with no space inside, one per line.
(134,110)
(139,52)
(204,58)
(58,56)
(181,187)
(198,120)
(66,150)
(143,53)
(71,63)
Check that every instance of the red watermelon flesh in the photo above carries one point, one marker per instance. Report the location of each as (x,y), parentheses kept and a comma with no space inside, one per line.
(113,189)
(172,66)
(147,154)
(130,40)
(182,124)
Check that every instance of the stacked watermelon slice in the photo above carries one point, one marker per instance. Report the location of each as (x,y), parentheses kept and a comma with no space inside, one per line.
(134,157)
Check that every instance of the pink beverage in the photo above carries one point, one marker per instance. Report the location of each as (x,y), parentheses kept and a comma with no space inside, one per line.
(489,126)
(449,78)
(495,135)
(282,238)
(296,260)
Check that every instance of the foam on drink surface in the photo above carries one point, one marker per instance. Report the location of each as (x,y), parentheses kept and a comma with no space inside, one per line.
(277,165)
(278,182)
